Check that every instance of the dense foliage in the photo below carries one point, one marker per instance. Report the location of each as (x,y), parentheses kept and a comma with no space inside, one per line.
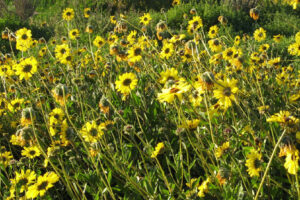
(197,101)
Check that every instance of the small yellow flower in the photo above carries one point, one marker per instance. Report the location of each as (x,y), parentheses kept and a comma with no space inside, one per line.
(42,185)
(74,34)
(24,40)
(91,132)
(98,41)
(168,75)
(31,152)
(203,188)
(5,158)
(26,68)
(277,38)
(291,161)
(221,149)
(158,149)
(145,19)
(213,31)
(167,50)
(253,163)
(283,117)
(225,92)
(259,34)
(68,14)
(126,83)
(194,24)
(87,12)
(113,19)
(215,45)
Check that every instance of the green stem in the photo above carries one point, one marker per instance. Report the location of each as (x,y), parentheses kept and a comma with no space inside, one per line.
(269,164)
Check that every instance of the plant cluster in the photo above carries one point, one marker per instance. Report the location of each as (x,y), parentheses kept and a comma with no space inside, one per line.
(149,112)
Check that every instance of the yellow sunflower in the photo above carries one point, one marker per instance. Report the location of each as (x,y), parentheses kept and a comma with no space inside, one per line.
(264,47)
(167,50)
(176,2)
(74,34)
(237,40)
(24,179)
(221,149)
(91,132)
(145,19)
(203,188)
(132,37)
(42,185)
(126,83)
(213,32)
(87,12)
(215,45)
(291,161)
(175,91)
(277,38)
(259,34)
(98,41)
(113,19)
(195,97)
(26,68)
(225,92)
(31,152)
(15,105)
(24,40)
(68,14)
(253,163)
(135,53)
(190,124)
(61,50)
(169,74)
(5,70)
(5,158)
(56,116)
(284,118)
(195,23)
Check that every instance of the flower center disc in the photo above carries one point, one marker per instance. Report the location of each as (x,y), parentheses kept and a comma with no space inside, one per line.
(227,91)
(127,82)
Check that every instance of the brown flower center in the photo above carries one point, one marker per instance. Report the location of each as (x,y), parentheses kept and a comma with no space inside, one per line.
(27,68)
(42,186)
(24,37)
(93,132)
(227,91)
(32,152)
(137,51)
(127,82)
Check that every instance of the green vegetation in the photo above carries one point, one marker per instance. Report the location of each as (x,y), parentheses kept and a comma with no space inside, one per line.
(149,100)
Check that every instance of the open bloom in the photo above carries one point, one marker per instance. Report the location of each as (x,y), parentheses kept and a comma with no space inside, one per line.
(26,68)
(145,19)
(91,132)
(42,185)
(126,83)
(225,92)
(175,91)
(283,117)
(259,34)
(291,161)
(68,14)
(253,163)
(24,40)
